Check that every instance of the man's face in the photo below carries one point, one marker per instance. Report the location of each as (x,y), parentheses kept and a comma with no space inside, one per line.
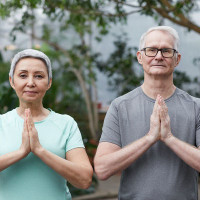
(158,65)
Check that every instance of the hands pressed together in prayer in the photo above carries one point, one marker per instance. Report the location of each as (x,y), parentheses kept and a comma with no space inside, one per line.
(160,121)
(30,140)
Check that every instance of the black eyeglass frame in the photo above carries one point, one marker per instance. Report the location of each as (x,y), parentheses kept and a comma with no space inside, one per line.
(161,50)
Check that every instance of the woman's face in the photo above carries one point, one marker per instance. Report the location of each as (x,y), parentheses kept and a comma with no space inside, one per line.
(30,80)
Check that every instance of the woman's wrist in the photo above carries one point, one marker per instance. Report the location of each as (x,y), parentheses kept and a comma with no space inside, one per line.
(38,151)
(23,152)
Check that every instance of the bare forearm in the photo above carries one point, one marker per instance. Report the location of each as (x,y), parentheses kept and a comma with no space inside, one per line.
(109,164)
(77,174)
(8,159)
(188,153)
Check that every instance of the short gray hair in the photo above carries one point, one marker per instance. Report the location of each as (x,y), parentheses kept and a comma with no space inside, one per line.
(33,54)
(167,29)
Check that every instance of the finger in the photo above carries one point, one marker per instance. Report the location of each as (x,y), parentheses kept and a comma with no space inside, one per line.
(25,127)
(163,105)
(30,119)
(163,111)
(29,123)
(156,105)
(161,100)
(25,120)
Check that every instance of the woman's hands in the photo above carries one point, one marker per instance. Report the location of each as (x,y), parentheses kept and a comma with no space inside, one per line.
(33,134)
(25,146)
(30,140)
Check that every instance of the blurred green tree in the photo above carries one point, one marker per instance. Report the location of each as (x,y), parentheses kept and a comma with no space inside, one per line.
(66,31)
(177,11)
(80,18)
(8,99)
(121,67)
(52,22)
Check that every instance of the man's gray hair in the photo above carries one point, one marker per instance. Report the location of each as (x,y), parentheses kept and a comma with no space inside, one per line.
(30,53)
(167,29)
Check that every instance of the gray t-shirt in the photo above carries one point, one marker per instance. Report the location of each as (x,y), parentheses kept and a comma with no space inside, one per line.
(159,173)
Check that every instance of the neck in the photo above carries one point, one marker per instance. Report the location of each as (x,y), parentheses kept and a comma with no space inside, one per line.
(38,112)
(153,87)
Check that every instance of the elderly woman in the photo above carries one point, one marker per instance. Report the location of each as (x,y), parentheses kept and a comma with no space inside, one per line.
(40,150)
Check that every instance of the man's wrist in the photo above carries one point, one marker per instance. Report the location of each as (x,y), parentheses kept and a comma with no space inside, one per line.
(151,139)
(167,140)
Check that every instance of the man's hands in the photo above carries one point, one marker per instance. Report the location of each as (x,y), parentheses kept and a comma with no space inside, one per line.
(159,122)
(155,125)
(165,132)
(30,140)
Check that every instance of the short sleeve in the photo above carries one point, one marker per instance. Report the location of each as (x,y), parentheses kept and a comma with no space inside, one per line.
(111,129)
(75,139)
(197,111)
(198,131)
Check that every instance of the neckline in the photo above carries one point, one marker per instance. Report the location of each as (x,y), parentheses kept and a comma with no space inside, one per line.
(153,100)
(38,122)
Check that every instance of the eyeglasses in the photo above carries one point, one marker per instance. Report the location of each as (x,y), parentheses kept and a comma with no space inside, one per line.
(166,52)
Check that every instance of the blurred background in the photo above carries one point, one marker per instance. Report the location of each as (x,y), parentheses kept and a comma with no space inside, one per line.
(92,45)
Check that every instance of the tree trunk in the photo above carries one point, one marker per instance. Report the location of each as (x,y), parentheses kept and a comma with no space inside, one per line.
(87,101)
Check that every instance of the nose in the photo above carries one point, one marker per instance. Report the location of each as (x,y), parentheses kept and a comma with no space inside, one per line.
(159,55)
(30,82)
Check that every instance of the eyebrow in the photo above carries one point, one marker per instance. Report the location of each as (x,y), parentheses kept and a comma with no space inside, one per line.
(23,70)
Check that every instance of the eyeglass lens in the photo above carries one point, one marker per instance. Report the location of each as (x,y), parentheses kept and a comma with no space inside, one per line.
(166,52)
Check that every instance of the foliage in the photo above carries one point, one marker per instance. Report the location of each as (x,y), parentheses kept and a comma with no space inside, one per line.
(124,76)
(63,96)
(8,99)
(75,61)
(103,13)
(120,67)
(177,11)
(87,20)
(91,147)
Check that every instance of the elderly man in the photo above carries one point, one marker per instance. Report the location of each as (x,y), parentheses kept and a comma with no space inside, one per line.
(152,134)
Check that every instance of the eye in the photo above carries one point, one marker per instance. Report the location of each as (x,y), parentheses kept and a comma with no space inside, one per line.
(166,50)
(152,49)
(38,76)
(23,76)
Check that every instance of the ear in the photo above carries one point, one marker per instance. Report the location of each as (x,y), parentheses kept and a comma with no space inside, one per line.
(49,85)
(11,83)
(139,57)
(178,59)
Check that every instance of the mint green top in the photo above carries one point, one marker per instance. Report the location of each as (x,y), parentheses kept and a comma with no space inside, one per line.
(30,178)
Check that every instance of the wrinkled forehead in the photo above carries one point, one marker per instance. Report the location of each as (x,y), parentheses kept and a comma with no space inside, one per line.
(160,39)
(27,63)
(30,58)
